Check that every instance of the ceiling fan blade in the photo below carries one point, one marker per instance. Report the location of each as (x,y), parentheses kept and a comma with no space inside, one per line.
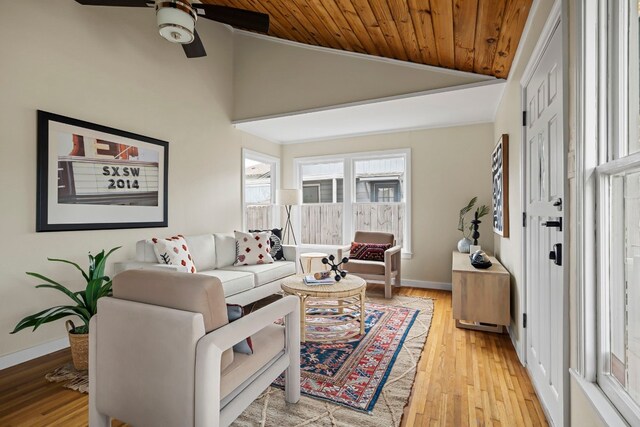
(125,3)
(238,18)
(195,49)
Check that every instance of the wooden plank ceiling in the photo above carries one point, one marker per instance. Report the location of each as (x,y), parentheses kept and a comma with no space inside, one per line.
(479,36)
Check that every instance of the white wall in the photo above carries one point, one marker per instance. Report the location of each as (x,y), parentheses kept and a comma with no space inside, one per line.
(108,66)
(449,167)
(274,77)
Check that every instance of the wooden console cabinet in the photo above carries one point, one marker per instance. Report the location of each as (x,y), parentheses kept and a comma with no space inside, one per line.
(480,298)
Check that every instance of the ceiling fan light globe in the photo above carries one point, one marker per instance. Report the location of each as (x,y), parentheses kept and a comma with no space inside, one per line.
(176,22)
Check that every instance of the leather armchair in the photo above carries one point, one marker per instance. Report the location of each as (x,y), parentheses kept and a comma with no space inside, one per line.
(388,272)
(160,352)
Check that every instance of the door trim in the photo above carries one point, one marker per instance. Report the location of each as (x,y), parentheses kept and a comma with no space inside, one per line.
(556,20)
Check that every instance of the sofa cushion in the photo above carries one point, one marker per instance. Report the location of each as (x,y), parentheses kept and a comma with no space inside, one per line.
(357,266)
(189,292)
(174,251)
(233,282)
(253,248)
(225,249)
(267,344)
(276,243)
(266,273)
(368,251)
(203,251)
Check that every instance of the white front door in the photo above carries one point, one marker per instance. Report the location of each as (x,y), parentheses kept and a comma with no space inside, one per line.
(545,252)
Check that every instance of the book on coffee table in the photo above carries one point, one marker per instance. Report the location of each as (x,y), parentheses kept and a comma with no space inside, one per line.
(310,280)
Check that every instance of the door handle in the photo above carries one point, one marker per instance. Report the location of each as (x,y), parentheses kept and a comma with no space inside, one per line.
(558,203)
(555,224)
(556,254)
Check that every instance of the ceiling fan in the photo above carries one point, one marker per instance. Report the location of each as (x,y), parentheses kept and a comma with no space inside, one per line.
(177,19)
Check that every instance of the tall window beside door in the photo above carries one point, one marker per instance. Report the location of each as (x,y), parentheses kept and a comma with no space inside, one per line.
(357,191)
(260,181)
(618,208)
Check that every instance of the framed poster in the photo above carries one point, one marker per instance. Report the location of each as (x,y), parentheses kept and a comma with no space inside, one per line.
(500,174)
(93,177)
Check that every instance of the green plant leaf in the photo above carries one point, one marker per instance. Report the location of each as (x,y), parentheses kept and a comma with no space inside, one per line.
(98,263)
(45,316)
(98,286)
(29,320)
(482,211)
(53,315)
(73,264)
(465,211)
(62,289)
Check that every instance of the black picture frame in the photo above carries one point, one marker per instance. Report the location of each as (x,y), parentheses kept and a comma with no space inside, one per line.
(64,207)
(500,193)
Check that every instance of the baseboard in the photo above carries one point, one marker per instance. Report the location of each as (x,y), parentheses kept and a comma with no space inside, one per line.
(25,355)
(425,284)
(516,347)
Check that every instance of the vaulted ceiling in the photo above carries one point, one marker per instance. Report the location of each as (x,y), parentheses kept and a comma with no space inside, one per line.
(479,36)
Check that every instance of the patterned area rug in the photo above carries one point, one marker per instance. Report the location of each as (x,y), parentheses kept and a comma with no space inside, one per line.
(352,373)
(72,378)
(337,378)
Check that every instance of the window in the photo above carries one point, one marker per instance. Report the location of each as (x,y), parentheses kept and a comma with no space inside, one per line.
(617,163)
(322,198)
(359,191)
(260,180)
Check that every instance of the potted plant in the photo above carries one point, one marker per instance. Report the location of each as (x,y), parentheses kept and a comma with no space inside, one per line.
(85,305)
(465,243)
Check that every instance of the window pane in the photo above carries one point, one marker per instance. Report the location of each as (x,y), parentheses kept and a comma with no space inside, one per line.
(323,183)
(257,194)
(634,77)
(379,177)
(257,182)
(624,282)
(322,197)
(380,206)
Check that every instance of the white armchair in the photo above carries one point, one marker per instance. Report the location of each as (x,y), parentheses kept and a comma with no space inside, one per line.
(161,352)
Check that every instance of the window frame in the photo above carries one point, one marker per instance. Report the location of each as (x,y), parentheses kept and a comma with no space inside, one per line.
(602,138)
(349,190)
(248,154)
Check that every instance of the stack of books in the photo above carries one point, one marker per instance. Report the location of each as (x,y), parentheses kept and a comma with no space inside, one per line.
(311,281)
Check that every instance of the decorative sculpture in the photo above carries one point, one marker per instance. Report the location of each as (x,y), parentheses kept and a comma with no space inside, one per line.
(476,222)
(335,268)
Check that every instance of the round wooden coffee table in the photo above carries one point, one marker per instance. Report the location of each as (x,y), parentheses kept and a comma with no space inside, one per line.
(332,312)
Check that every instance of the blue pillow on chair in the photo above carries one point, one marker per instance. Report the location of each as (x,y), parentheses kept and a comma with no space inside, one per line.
(235,312)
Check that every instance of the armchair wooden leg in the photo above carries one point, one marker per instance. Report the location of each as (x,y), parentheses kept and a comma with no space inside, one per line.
(388,292)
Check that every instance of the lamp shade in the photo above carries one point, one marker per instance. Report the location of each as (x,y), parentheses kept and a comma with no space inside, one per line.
(289,197)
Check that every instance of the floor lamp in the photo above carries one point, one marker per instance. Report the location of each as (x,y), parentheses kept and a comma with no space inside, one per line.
(289,197)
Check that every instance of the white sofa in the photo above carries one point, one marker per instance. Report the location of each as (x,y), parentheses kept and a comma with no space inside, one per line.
(214,255)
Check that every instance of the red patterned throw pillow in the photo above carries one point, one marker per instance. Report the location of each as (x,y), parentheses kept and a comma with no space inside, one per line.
(253,248)
(368,251)
(174,251)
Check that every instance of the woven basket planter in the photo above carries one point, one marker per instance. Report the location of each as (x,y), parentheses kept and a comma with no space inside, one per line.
(79,347)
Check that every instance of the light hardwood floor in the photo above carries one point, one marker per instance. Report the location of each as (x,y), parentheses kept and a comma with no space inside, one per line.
(464,378)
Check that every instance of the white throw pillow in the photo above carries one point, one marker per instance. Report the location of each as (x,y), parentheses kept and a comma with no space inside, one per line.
(174,251)
(253,248)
